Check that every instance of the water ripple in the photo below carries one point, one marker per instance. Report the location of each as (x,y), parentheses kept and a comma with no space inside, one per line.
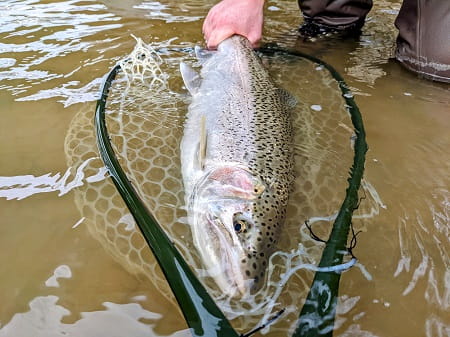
(35,35)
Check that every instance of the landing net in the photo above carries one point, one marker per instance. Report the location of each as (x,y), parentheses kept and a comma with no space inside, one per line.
(146,109)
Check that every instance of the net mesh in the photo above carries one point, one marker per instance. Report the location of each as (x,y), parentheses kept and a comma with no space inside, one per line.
(145,117)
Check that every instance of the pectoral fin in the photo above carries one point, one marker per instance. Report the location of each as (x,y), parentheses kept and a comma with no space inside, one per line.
(203,54)
(287,98)
(190,77)
(202,145)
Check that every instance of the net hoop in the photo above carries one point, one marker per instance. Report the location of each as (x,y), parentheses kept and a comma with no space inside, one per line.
(201,313)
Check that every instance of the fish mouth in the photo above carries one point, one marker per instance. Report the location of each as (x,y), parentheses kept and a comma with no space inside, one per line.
(229,278)
(221,254)
(224,192)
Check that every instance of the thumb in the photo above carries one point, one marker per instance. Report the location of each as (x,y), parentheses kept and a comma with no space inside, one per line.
(218,36)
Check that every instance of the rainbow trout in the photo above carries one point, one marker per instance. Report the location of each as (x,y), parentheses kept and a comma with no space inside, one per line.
(237,164)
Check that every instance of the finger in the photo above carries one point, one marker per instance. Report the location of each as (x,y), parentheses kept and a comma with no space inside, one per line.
(255,45)
(217,36)
(255,38)
(254,41)
(206,27)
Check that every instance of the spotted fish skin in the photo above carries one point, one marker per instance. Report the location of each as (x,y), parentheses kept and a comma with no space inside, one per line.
(237,164)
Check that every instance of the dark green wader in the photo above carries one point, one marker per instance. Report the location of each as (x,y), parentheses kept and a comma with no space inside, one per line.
(423,42)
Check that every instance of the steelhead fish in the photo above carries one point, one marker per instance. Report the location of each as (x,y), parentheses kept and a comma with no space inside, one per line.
(237,164)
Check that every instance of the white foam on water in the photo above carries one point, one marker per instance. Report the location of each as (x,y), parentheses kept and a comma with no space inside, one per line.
(79,222)
(24,186)
(62,271)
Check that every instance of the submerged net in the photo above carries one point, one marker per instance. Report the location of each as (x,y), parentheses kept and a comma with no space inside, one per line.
(146,110)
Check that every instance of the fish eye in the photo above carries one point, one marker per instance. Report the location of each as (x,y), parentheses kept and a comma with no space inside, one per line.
(239,226)
(240,223)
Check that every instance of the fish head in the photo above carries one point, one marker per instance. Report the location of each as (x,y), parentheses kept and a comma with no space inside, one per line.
(235,219)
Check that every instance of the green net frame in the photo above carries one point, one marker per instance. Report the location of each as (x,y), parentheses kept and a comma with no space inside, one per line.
(200,311)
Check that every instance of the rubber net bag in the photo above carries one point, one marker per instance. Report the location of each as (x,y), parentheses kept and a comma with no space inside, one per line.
(146,111)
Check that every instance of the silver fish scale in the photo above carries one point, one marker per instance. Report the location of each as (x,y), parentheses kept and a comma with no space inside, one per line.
(252,124)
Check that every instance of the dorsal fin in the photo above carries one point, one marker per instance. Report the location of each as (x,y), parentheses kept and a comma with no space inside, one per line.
(190,77)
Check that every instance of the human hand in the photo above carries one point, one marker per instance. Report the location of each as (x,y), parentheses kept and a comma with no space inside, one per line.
(229,17)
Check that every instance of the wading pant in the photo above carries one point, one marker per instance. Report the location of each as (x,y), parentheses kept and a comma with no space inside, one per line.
(423,42)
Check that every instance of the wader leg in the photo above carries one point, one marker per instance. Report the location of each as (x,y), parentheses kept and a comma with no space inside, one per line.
(335,15)
(423,42)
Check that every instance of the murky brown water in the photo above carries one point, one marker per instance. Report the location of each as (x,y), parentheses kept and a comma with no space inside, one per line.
(53,55)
